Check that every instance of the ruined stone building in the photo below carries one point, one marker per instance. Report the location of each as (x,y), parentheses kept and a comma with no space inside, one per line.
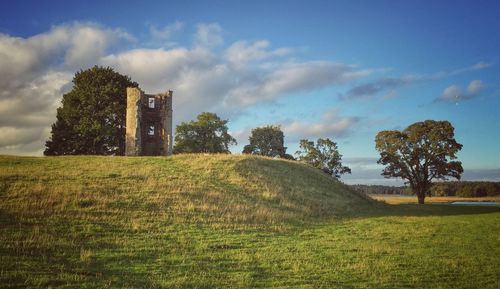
(149,123)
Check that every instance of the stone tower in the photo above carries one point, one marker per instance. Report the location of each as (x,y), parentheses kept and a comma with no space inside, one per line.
(149,123)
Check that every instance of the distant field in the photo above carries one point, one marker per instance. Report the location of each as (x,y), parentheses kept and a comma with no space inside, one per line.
(398,199)
(193,221)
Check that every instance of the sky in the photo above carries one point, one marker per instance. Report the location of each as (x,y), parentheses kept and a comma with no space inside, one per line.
(338,69)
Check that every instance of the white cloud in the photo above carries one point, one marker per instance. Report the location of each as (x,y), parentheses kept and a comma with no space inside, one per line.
(475,87)
(35,103)
(454,93)
(242,136)
(389,84)
(156,69)
(331,125)
(370,89)
(241,52)
(209,35)
(80,45)
(13,136)
(87,44)
(163,36)
(478,66)
(289,78)
(29,149)
(199,80)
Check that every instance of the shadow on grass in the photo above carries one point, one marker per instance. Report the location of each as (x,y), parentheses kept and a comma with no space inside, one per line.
(7,219)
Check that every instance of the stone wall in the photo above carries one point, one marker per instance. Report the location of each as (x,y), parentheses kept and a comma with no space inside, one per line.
(133,129)
(149,123)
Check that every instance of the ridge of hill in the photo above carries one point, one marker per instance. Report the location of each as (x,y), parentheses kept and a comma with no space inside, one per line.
(214,189)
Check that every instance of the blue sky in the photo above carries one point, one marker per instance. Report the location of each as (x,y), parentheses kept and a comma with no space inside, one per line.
(338,69)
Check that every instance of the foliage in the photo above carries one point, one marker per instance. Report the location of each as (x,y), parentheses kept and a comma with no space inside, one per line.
(379,189)
(422,152)
(466,189)
(324,156)
(469,189)
(91,119)
(224,221)
(266,141)
(207,134)
(287,157)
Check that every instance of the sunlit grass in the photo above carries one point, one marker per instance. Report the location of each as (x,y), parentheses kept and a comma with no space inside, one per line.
(196,221)
(397,199)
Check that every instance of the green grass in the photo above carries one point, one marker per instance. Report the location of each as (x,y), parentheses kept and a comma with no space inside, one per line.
(195,221)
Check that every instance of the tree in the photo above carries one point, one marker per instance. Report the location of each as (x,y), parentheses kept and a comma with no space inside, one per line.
(324,156)
(91,119)
(266,141)
(422,152)
(207,134)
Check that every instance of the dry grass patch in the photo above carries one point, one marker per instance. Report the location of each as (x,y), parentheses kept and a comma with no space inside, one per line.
(396,199)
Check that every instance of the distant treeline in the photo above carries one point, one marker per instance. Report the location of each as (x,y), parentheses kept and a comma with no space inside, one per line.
(466,189)
(459,189)
(378,189)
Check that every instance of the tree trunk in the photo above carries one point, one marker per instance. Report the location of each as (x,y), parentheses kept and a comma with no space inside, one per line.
(421,198)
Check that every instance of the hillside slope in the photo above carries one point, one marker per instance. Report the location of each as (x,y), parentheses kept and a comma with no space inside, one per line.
(196,221)
(186,188)
(119,222)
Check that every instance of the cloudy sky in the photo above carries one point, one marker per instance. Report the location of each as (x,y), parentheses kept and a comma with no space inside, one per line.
(338,69)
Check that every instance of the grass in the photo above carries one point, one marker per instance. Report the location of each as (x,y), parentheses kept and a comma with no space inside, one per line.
(195,221)
(398,199)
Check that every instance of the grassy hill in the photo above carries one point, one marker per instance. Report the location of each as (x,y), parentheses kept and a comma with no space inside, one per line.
(198,221)
(217,189)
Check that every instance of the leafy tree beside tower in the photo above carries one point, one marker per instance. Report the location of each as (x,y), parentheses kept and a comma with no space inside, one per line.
(92,119)
(207,134)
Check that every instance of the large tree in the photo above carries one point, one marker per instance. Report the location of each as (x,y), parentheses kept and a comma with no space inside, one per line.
(323,155)
(266,141)
(91,119)
(207,134)
(422,152)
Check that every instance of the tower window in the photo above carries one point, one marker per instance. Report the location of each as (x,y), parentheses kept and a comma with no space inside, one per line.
(151,102)
(151,130)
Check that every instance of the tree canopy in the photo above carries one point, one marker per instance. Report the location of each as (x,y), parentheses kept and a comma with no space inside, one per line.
(266,141)
(422,152)
(91,119)
(207,134)
(323,155)
(466,189)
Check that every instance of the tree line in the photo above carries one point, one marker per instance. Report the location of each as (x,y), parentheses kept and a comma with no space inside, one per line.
(91,120)
(466,189)
(380,189)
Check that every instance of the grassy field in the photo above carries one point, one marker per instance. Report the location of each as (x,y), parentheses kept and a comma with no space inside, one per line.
(398,199)
(195,221)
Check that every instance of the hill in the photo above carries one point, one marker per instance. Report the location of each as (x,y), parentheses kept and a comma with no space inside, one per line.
(222,221)
(215,189)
